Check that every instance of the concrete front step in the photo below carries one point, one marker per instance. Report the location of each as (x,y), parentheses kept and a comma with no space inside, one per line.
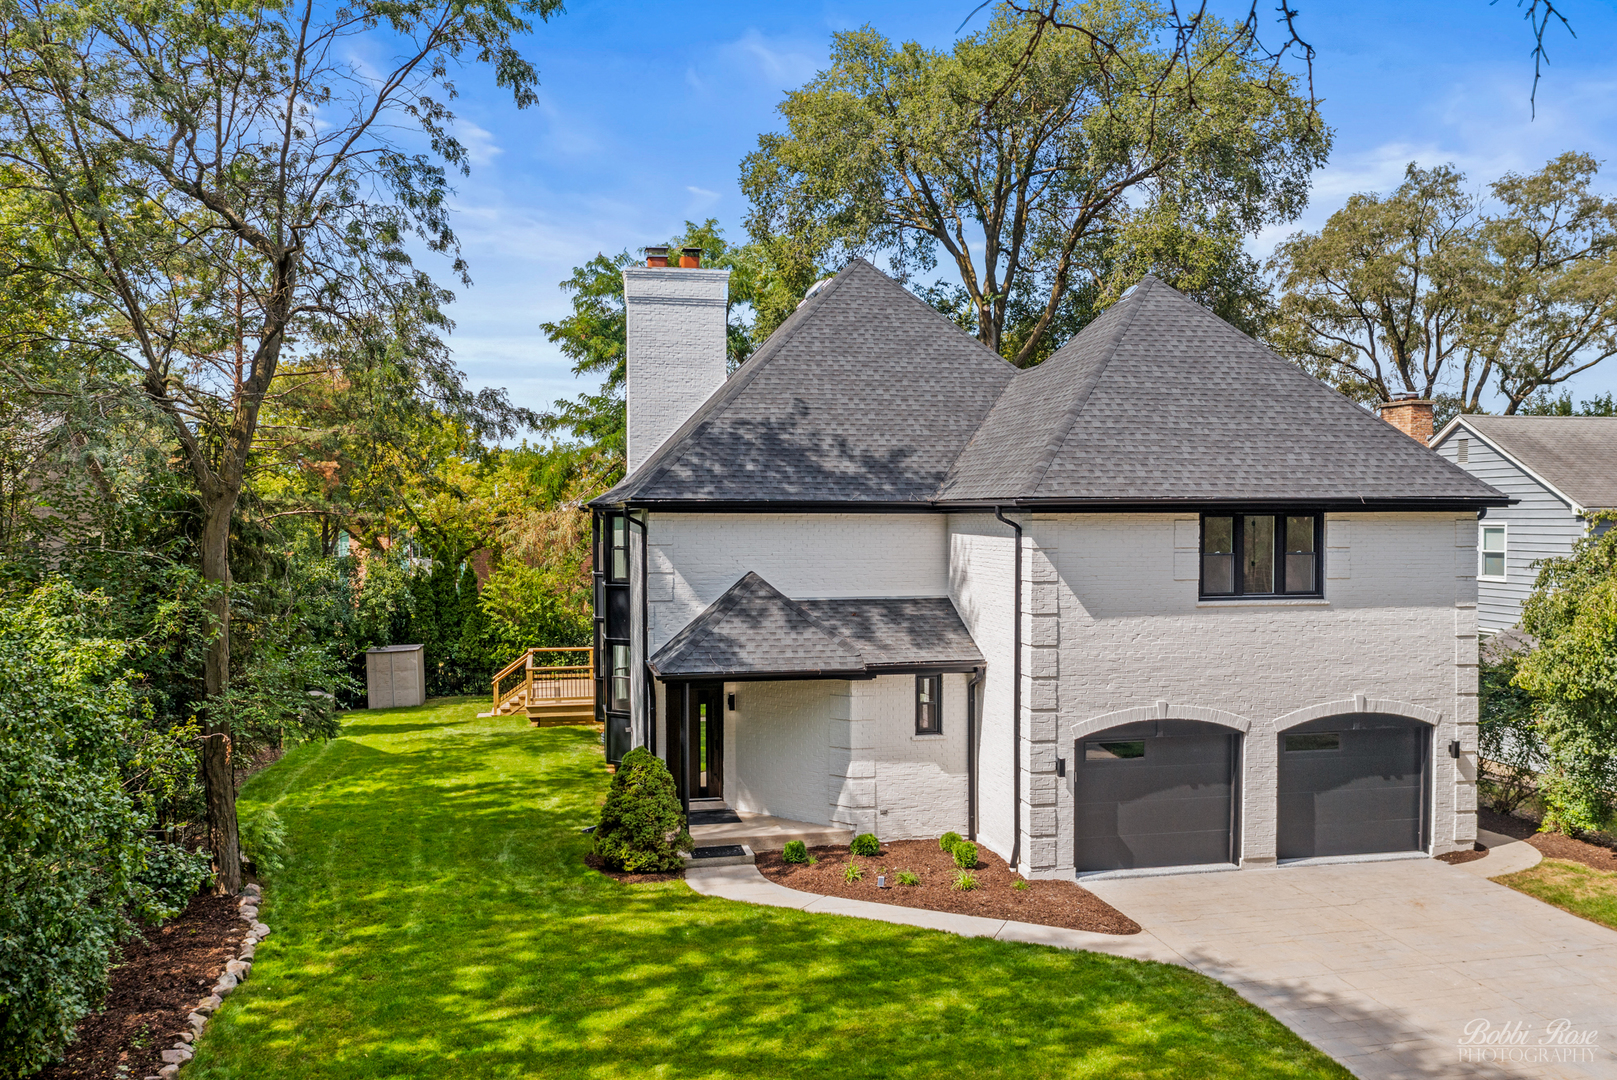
(763,832)
(719,855)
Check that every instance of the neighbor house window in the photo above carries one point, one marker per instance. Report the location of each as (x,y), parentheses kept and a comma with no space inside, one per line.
(1261,554)
(929,704)
(618,682)
(1493,552)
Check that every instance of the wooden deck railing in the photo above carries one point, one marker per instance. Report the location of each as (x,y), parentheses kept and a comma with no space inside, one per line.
(546,684)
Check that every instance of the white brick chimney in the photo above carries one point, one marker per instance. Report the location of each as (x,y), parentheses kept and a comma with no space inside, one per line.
(676,325)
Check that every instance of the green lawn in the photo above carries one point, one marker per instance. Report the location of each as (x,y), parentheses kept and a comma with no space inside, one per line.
(1574,887)
(436,919)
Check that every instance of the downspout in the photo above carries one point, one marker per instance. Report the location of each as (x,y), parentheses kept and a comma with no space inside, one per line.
(649,712)
(971,763)
(1016,696)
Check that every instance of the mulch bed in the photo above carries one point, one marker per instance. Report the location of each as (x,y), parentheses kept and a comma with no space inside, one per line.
(1553,845)
(1049,903)
(593,861)
(161,978)
(1454,858)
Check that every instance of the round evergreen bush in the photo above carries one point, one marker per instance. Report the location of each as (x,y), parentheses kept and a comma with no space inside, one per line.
(948,840)
(795,851)
(642,827)
(865,844)
(965,854)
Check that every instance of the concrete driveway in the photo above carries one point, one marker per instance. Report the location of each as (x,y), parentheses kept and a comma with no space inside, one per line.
(1387,966)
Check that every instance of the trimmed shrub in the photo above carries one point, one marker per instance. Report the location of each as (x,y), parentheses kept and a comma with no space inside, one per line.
(965,854)
(795,851)
(948,840)
(642,827)
(865,844)
(964,882)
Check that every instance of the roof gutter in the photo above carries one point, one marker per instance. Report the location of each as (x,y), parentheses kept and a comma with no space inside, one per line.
(1016,696)
(1055,505)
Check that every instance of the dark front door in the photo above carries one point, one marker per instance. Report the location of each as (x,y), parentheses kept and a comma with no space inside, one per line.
(1160,793)
(696,739)
(1353,785)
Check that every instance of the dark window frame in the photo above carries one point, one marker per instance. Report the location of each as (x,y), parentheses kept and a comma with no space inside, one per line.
(609,530)
(1237,551)
(936,678)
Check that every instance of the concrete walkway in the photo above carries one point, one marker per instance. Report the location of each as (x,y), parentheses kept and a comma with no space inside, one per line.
(1383,965)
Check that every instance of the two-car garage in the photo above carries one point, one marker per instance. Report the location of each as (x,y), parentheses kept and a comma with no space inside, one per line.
(1168,792)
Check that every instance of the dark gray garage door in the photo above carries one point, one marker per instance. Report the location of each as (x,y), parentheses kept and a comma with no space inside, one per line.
(1353,785)
(1160,793)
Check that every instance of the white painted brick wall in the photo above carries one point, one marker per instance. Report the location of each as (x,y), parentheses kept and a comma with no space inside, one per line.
(981,572)
(676,328)
(777,752)
(696,557)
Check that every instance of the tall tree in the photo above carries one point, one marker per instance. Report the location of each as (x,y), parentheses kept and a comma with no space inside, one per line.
(1435,291)
(1040,156)
(235,187)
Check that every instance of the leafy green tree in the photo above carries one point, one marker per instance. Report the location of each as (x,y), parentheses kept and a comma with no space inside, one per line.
(80,772)
(236,191)
(1434,291)
(1042,158)
(1572,675)
(1543,405)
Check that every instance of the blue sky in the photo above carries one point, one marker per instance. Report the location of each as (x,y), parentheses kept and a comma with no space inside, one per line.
(646,111)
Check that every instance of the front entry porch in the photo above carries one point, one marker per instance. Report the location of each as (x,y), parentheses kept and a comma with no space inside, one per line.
(765,832)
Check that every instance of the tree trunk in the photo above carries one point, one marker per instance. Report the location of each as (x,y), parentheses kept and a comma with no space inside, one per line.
(218,775)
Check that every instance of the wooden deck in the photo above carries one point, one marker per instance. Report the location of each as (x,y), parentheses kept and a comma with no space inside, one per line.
(548,694)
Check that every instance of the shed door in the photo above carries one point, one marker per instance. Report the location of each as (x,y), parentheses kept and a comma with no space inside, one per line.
(1161,793)
(1354,785)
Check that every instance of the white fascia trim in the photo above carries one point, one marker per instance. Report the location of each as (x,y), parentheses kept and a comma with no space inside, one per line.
(1459,421)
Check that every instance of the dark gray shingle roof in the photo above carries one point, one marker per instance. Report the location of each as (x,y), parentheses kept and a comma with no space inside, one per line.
(1577,454)
(865,394)
(753,631)
(1161,400)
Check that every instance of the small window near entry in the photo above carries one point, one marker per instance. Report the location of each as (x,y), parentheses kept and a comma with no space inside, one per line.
(1114,751)
(1313,740)
(1493,552)
(618,543)
(1260,555)
(618,684)
(929,704)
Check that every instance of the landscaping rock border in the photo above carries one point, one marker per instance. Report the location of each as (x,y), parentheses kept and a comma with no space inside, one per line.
(234,974)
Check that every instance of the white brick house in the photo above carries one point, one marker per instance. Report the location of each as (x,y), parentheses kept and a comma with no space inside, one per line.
(1162,600)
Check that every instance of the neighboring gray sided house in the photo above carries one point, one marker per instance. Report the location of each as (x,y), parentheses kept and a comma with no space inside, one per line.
(1560,469)
(1162,600)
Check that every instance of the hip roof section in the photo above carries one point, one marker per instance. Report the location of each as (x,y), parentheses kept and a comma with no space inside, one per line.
(868,396)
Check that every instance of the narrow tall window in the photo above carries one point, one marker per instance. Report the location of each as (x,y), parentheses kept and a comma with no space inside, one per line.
(619,540)
(929,704)
(1493,552)
(1260,555)
(618,684)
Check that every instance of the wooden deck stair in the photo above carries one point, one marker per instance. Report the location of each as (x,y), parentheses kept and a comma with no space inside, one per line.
(548,694)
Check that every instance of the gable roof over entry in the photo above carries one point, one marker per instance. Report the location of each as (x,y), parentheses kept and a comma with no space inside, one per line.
(754,631)
(868,398)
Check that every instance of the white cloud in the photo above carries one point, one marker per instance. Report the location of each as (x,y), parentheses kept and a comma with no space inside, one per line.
(481,149)
(782,64)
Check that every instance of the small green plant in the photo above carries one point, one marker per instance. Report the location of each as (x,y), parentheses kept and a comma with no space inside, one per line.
(814,860)
(795,851)
(965,854)
(1021,886)
(263,840)
(865,844)
(905,877)
(853,872)
(948,840)
(964,882)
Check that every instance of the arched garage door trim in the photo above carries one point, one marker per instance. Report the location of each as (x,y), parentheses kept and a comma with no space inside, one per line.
(1160,711)
(1360,704)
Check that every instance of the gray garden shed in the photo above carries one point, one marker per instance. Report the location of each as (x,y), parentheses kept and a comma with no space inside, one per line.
(396,675)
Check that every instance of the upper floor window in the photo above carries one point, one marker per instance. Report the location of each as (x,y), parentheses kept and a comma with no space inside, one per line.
(929,704)
(1492,552)
(617,547)
(1261,554)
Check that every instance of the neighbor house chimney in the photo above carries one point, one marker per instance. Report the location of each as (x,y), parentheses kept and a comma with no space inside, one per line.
(1410,414)
(677,317)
